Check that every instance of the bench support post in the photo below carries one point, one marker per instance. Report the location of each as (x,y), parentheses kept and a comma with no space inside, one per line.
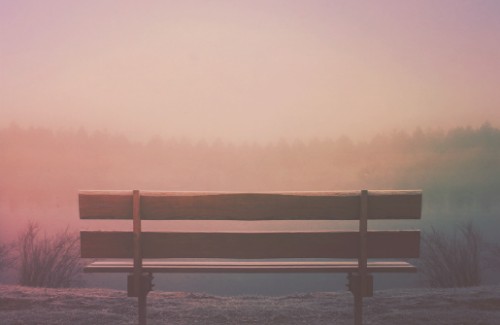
(138,282)
(362,260)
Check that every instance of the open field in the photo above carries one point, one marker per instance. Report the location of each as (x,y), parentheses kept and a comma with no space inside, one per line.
(22,305)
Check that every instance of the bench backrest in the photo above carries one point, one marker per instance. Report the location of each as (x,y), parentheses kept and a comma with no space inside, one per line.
(362,206)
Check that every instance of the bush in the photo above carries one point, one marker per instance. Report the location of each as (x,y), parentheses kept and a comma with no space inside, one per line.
(48,261)
(6,257)
(492,259)
(452,260)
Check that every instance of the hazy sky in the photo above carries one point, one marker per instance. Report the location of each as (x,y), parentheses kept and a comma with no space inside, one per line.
(249,70)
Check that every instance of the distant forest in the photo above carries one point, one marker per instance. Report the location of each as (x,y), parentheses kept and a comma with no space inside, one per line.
(459,170)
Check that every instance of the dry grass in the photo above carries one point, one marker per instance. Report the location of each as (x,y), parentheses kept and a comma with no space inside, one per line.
(452,260)
(48,261)
(23,305)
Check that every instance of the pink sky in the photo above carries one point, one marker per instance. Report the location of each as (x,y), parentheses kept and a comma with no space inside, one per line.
(249,70)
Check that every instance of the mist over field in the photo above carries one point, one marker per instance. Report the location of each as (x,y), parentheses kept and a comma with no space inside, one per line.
(249,96)
(42,170)
(254,96)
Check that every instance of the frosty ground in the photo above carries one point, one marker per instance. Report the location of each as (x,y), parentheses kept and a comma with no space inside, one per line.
(22,305)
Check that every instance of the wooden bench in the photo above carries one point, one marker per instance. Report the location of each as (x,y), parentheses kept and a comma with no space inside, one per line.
(284,251)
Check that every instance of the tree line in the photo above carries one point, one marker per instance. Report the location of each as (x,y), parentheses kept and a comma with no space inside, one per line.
(458,169)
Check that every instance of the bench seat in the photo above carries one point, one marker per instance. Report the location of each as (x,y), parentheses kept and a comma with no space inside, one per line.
(247,267)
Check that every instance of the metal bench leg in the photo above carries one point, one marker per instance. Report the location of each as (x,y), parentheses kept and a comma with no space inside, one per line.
(359,287)
(358,309)
(142,309)
(354,286)
(140,289)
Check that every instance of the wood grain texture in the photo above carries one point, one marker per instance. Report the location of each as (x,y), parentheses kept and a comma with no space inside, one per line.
(251,245)
(248,267)
(250,206)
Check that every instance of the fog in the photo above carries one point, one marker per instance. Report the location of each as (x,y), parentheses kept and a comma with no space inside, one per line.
(256,96)
(254,71)
(42,170)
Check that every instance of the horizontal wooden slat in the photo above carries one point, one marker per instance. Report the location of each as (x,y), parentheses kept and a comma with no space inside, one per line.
(247,267)
(394,204)
(105,205)
(242,245)
(250,206)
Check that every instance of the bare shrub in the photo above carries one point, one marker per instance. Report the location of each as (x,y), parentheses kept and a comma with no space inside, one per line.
(492,259)
(48,261)
(452,260)
(6,257)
